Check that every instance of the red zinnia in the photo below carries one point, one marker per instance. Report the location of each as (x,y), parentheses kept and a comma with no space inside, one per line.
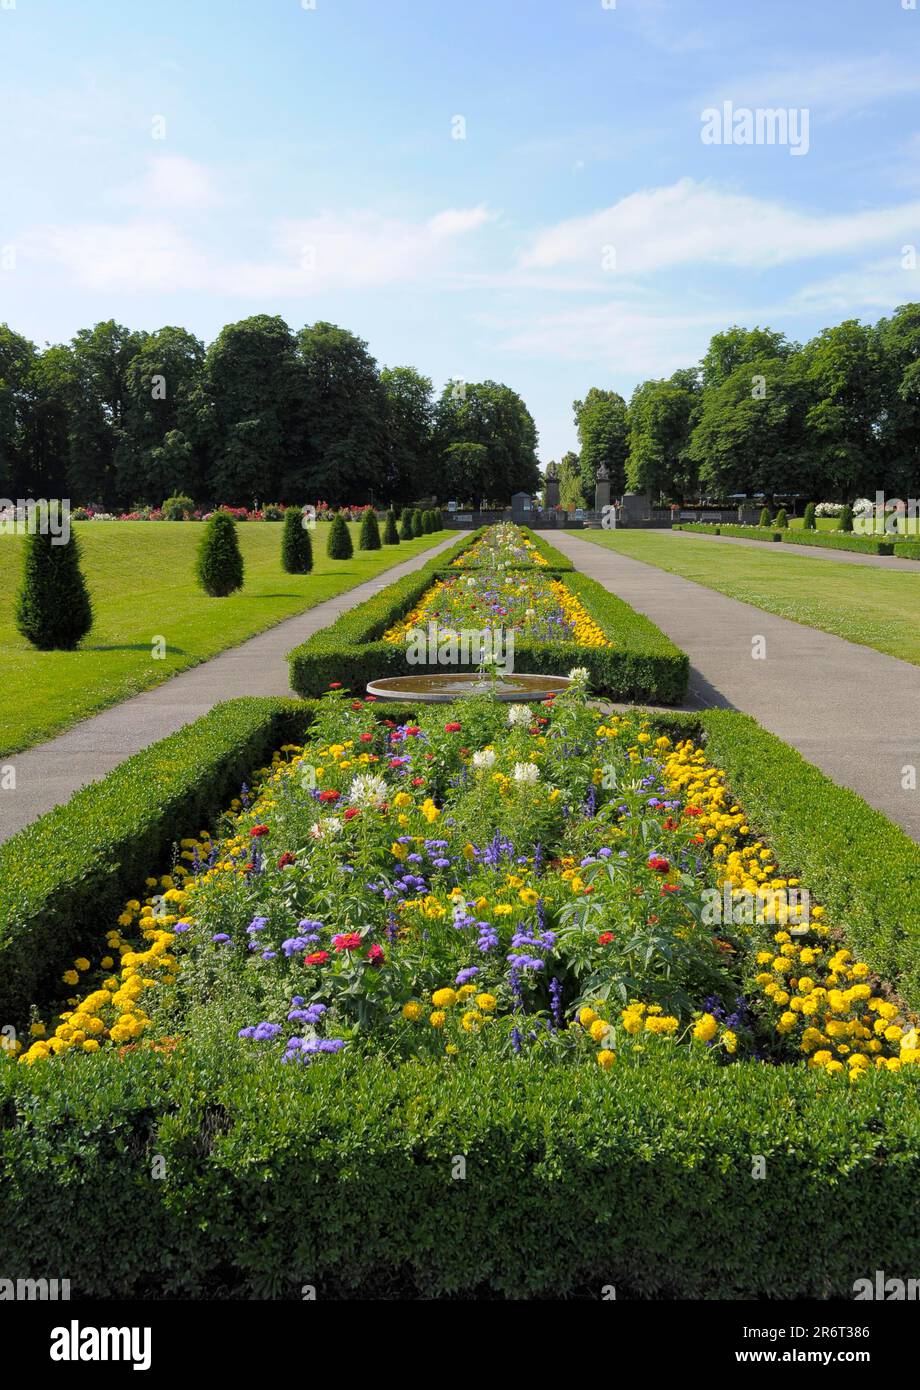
(258,831)
(351,813)
(670,888)
(317,958)
(335,685)
(329,795)
(418,781)
(286,858)
(605,938)
(356,704)
(347,941)
(669,823)
(375,955)
(451,728)
(367,738)
(658,864)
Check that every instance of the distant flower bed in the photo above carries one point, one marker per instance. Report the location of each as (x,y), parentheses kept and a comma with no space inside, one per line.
(270,511)
(488,879)
(502,547)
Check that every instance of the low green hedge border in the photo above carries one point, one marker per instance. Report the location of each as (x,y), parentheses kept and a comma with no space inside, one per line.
(344,1176)
(746,533)
(907,550)
(643,664)
(824,540)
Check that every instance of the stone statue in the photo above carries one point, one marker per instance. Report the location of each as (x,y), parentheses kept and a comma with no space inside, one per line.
(602,473)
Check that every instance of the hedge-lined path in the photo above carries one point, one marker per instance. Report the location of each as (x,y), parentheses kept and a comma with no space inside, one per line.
(49,773)
(852,711)
(810,552)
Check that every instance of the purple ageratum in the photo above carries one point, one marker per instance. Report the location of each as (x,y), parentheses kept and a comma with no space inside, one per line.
(312,1014)
(257,924)
(464,976)
(261,1032)
(305,1049)
(181,927)
(220,938)
(488,937)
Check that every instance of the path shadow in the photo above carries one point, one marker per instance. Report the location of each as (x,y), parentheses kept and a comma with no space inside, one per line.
(702,694)
(130,647)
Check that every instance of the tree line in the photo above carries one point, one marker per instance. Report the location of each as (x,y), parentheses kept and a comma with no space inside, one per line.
(121,418)
(833,419)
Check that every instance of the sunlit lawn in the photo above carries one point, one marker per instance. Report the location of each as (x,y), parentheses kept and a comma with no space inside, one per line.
(876,607)
(141,578)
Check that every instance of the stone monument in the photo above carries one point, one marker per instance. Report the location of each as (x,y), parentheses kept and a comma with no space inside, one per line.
(602,490)
(551,490)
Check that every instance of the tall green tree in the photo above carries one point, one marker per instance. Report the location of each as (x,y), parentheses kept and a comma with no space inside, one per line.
(344,416)
(101,357)
(250,411)
(53,608)
(843,366)
(17,356)
(602,424)
(736,347)
(500,439)
(571,496)
(661,419)
(408,432)
(897,343)
(158,454)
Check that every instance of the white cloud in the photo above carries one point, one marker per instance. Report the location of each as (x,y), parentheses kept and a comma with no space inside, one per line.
(834,88)
(699,223)
(172,181)
(331,251)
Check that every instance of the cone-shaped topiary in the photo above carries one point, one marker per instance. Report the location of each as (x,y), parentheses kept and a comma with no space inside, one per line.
(339,546)
(809,522)
(846,519)
(219,566)
(369,538)
(417,527)
(53,609)
(781,520)
(296,546)
(405,524)
(432,522)
(765,517)
(391,530)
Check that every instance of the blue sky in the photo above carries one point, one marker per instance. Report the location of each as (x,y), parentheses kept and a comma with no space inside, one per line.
(581,234)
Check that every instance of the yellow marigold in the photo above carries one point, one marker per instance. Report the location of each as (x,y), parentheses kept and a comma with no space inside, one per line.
(444,998)
(438,1018)
(412,1011)
(705,1028)
(486,1003)
(606,1059)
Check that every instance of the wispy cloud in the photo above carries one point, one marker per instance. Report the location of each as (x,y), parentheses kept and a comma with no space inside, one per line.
(834,88)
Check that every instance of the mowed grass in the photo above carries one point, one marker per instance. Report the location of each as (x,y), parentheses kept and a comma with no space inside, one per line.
(140,575)
(875,607)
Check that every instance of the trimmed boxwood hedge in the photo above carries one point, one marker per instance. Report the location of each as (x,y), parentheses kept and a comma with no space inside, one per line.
(746,533)
(341,1175)
(907,550)
(643,664)
(840,540)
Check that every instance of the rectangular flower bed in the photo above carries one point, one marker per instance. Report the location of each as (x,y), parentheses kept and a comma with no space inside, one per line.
(560,621)
(479,931)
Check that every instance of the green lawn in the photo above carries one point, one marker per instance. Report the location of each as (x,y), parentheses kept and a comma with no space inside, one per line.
(875,607)
(140,577)
(908,531)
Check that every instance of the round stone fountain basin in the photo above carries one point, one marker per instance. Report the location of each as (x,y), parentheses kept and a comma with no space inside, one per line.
(442,689)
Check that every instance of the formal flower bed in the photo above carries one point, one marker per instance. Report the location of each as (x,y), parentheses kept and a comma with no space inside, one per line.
(535,606)
(483,880)
(502,547)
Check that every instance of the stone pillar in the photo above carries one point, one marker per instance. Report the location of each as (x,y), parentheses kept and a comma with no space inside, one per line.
(601,495)
(552,493)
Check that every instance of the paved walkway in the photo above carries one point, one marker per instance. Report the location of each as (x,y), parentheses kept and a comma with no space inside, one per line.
(51,772)
(851,710)
(811,552)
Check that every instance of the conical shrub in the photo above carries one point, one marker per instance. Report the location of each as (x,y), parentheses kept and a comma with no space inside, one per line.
(781,520)
(430,521)
(296,546)
(405,524)
(339,546)
(369,537)
(53,609)
(391,530)
(417,527)
(219,566)
(765,517)
(809,522)
(846,519)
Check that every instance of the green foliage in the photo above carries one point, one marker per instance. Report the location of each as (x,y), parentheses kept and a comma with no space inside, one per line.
(296,545)
(53,608)
(339,546)
(178,508)
(764,517)
(391,530)
(369,536)
(485,443)
(64,878)
(846,519)
(907,550)
(781,520)
(601,420)
(575,1179)
(405,524)
(661,419)
(219,564)
(810,520)
(418,525)
(763,532)
(835,540)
